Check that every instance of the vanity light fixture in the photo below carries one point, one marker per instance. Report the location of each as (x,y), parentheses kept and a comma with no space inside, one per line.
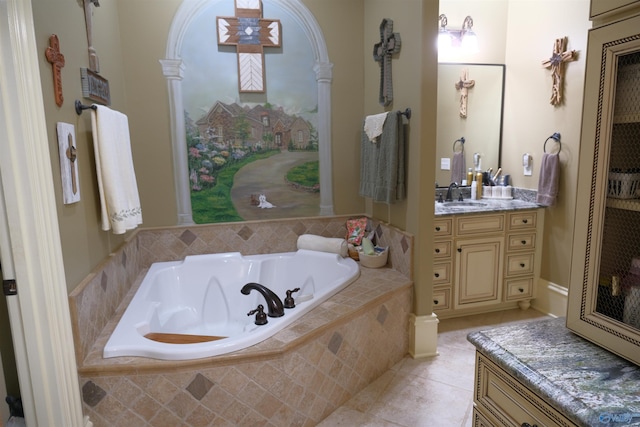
(464,40)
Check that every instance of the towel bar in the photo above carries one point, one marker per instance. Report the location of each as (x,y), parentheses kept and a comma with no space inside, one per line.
(80,107)
(406,113)
(461,141)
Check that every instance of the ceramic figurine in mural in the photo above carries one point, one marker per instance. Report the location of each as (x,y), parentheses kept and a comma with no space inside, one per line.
(243,147)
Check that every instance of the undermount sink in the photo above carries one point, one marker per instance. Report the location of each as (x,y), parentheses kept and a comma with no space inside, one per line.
(464,203)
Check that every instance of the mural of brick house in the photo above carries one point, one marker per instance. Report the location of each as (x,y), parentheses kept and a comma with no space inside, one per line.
(231,125)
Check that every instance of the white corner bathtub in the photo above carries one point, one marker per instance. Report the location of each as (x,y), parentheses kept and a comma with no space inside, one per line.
(200,296)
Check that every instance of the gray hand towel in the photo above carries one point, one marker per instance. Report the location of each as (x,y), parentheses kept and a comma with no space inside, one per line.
(549,178)
(458,168)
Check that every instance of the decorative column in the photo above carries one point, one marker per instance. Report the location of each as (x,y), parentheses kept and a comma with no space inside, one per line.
(324,76)
(173,70)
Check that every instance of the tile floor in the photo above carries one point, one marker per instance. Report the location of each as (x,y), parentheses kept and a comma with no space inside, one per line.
(429,392)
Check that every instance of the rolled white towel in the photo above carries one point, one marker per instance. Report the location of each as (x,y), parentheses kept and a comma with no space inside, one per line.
(332,245)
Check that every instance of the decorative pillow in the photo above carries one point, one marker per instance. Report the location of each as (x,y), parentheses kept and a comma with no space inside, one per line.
(355,230)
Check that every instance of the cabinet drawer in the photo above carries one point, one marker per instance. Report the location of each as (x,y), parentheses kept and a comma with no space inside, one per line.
(519,264)
(442,227)
(441,299)
(519,289)
(510,402)
(516,242)
(522,220)
(480,224)
(442,274)
(442,249)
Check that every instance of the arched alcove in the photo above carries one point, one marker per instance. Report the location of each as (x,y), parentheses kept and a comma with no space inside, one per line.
(173,70)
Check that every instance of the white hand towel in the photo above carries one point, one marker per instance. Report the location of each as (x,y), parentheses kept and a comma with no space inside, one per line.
(119,199)
(373,125)
(323,244)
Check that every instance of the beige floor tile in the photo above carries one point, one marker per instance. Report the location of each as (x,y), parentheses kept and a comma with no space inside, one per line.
(430,392)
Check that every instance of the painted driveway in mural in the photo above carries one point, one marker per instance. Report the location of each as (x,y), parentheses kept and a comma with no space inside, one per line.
(266,177)
(230,131)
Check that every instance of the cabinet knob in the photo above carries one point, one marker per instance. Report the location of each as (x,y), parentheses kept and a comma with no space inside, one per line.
(524,242)
(437,275)
(436,302)
(437,228)
(522,264)
(437,250)
(459,249)
(524,221)
(528,425)
(520,290)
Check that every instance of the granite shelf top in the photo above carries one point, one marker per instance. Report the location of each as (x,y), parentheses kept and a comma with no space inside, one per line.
(588,384)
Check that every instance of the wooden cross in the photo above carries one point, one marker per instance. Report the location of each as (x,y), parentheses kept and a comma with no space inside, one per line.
(382,52)
(556,64)
(94,63)
(56,59)
(250,33)
(463,85)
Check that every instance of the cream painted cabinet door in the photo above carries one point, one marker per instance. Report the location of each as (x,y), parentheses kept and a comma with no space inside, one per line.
(478,278)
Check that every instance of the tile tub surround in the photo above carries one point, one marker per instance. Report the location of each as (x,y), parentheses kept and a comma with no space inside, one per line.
(94,301)
(342,326)
(579,379)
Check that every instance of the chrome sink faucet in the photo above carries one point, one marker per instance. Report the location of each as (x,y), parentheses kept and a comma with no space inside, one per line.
(274,303)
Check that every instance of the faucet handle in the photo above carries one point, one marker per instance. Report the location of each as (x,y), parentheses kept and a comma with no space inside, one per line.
(261,317)
(288,301)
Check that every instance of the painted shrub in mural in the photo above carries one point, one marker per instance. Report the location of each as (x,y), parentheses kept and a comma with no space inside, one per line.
(251,155)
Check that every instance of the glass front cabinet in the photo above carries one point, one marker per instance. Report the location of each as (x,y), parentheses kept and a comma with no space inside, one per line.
(604,293)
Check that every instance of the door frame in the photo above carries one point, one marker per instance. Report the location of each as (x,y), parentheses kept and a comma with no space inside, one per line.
(30,244)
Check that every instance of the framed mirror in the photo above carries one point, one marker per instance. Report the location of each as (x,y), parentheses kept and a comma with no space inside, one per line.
(481,128)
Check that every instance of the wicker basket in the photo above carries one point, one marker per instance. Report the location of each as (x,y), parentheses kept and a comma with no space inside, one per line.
(624,185)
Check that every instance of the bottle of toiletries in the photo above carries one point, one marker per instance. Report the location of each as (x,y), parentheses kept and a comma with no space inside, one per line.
(474,190)
(469,176)
(479,185)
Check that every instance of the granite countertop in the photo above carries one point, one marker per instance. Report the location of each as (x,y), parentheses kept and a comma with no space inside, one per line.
(482,206)
(586,383)
(522,199)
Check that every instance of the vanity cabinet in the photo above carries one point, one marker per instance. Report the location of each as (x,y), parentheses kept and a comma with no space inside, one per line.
(501,400)
(604,291)
(486,261)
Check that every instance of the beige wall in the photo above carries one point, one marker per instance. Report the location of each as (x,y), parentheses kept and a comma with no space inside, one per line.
(530,119)
(414,71)
(84,245)
(130,38)
(530,28)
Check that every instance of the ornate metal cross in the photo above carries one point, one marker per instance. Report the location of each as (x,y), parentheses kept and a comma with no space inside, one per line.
(56,59)
(382,52)
(556,64)
(250,33)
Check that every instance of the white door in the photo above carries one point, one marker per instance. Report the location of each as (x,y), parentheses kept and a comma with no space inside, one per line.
(30,241)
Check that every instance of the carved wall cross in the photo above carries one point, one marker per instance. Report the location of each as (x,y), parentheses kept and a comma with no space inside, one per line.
(556,63)
(250,33)
(382,52)
(463,85)
(56,59)
(94,63)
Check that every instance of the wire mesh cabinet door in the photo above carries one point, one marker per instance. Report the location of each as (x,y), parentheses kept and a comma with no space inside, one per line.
(604,296)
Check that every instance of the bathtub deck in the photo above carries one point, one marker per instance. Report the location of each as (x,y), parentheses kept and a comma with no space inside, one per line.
(371,288)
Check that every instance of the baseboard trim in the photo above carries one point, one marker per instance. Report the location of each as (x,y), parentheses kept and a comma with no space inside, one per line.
(552,299)
(423,336)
